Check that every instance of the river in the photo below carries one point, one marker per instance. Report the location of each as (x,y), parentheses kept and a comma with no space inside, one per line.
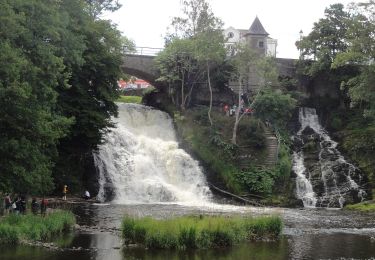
(307,234)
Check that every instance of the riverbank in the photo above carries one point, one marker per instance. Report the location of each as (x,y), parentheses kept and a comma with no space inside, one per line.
(366,206)
(15,228)
(190,232)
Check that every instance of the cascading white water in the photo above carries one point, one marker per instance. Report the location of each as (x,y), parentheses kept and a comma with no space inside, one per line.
(303,185)
(142,161)
(336,173)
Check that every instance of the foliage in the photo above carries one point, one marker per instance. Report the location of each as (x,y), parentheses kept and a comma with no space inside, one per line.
(31,69)
(228,148)
(58,71)
(130,99)
(198,232)
(284,165)
(15,228)
(198,18)
(192,51)
(343,44)
(366,206)
(257,180)
(252,134)
(326,39)
(360,52)
(274,106)
(177,65)
(96,7)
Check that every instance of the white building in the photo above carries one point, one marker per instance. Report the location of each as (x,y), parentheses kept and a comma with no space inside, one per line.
(256,36)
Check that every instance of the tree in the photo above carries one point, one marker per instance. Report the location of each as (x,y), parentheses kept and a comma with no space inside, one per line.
(274,106)
(244,61)
(203,29)
(326,39)
(360,53)
(210,52)
(177,63)
(58,72)
(96,7)
(92,90)
(30,71)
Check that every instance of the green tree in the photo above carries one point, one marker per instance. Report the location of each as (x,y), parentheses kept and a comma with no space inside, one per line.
(178,67)
(30,71)
(92,90)
(202,29)
(245,61)
(58,70)
(360,53)
(274,106)
(326,39)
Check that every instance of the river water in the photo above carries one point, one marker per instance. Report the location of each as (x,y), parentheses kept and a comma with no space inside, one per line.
(307,234)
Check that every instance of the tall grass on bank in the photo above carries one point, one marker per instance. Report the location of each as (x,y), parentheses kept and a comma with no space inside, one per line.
(15,228)
(130,99)
(198,231)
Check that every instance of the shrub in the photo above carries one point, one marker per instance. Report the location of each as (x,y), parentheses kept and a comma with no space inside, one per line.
(14,228)
(198,232)
(257,180)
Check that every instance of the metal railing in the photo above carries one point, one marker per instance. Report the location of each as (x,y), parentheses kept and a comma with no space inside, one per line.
(143,51)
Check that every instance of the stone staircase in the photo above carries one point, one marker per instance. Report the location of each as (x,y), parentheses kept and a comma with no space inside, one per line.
(245,159)
(272,145)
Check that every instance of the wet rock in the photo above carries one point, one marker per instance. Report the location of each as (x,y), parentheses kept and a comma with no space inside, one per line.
(308,131)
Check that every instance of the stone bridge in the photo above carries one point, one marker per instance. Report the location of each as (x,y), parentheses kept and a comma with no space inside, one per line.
(141,64)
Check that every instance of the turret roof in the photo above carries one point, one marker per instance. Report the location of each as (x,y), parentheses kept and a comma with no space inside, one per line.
(257,28)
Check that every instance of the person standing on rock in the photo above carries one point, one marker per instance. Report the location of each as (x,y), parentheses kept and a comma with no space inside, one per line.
(34,206)
(43,206)
(7,203)
(87,195)
(65,191)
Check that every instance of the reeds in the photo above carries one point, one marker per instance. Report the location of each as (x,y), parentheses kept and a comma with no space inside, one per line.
(191,232)
(15,228)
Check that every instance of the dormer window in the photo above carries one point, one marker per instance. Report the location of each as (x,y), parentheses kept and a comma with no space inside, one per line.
(230,35)
(261,44)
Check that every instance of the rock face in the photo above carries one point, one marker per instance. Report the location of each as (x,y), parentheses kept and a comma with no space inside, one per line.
(333,180)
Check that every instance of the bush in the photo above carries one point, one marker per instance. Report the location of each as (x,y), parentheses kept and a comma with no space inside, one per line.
(14,228)
(198,232)
(257,180)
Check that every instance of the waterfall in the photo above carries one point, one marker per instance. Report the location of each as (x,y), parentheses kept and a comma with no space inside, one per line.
(140,162)
(303,185)
(330,180)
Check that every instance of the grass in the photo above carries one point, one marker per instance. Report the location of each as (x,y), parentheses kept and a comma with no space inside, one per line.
(366,206)
(130,99)
(191,232)
(15,228)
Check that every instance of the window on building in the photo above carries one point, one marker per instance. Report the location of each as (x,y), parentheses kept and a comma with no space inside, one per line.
(261,44)
(230,35)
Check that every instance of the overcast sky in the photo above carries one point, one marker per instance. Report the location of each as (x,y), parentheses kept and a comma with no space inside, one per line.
(146,21)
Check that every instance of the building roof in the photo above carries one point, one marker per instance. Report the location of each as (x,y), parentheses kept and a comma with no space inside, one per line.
(257,28)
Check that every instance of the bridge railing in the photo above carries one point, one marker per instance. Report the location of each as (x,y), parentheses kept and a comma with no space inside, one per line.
(146,51)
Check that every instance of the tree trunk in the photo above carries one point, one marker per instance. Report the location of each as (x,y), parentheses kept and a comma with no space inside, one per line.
(209,86)
(238,118)
(182,93)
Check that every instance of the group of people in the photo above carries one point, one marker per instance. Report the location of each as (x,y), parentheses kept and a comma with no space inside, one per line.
(231,110)
(86,195)
(19,205)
